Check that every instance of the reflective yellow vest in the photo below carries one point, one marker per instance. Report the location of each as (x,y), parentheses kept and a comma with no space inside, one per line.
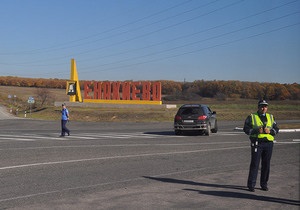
(257,123)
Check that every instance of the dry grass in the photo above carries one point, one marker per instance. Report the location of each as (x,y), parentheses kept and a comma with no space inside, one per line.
(24,92)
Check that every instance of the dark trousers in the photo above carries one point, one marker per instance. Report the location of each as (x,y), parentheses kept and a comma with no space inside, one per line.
(263,151)
(64,129)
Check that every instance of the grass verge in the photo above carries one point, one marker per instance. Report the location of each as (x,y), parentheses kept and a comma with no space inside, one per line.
(224,113)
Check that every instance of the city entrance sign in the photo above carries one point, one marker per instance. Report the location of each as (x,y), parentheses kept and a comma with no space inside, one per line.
(114,92)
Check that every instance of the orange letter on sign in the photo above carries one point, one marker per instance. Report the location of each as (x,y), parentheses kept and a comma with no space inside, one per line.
(135,90)
(146,90)
(116,90)
(126,91)
(87,90)
(106,90)
(156,91)
(97,90)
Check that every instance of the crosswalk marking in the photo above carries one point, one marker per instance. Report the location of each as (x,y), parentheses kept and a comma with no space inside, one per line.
(78,137)
(122,135)
(233,133)
(94,136)
(82,136)
(16,139)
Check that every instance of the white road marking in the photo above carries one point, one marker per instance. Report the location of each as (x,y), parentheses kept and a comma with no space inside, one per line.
(16,139)
(79,137)
(41,137)
(123,145)
(117,157)
(96,136)
(293,141)
(127,135)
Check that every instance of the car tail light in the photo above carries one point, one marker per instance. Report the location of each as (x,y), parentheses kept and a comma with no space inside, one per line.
(202,117)
(177,118)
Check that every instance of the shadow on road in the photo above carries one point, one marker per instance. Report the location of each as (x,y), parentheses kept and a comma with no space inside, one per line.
(226,194)
(162,133)
(172,133)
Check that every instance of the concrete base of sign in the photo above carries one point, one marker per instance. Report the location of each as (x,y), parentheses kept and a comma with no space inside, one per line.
(123,102)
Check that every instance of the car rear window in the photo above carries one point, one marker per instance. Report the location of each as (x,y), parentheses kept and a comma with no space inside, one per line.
(190,111)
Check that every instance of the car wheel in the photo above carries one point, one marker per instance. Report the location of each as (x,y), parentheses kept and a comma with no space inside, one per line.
(215,129)
(207,132)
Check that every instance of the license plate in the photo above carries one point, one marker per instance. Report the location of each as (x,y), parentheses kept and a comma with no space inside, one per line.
(188,121)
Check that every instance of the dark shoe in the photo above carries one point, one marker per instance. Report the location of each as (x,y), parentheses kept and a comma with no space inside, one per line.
(68,133)
(265,188)
(251,189)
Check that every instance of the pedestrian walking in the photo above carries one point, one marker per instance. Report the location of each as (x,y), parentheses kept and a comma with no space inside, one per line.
(64,120)
(261,128)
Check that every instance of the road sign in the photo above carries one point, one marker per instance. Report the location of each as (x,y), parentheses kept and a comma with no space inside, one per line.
(30,100)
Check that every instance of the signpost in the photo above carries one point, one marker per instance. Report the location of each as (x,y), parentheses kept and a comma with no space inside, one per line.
(9,98)
(30,101)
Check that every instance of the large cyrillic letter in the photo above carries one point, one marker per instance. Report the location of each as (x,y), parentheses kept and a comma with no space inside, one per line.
(116,90)
(106,90)
(87,90)
(156,91)
(146,91)
(135,91)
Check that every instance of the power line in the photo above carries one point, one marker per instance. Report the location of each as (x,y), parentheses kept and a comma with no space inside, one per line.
(155,31)
(189,52)
(104,32)
(194,51)
(198,50)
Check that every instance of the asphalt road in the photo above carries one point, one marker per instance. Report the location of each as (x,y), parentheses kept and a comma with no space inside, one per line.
(138,166)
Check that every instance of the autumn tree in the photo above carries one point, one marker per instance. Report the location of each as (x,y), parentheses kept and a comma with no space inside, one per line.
(43,94)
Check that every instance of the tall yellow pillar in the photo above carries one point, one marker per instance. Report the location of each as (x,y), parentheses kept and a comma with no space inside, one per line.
(73,86)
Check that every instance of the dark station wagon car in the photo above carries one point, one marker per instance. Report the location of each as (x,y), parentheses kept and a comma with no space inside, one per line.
(195,117)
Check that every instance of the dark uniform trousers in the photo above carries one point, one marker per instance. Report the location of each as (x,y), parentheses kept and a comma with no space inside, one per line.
(262,150)
(64,128)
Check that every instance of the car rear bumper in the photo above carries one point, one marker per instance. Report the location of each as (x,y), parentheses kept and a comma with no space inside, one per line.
(191,127)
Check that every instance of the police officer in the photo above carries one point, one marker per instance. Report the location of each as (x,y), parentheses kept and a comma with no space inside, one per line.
(64,120)
(261,128)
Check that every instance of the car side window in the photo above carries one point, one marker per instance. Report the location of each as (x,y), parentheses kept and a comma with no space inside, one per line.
(209,110)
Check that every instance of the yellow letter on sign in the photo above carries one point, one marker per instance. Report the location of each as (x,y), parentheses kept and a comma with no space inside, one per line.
(74,79)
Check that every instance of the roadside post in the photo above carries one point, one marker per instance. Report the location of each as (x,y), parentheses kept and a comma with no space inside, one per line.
(30,101)
(10,104)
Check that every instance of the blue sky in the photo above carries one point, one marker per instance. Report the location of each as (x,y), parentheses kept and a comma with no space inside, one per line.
(180,40)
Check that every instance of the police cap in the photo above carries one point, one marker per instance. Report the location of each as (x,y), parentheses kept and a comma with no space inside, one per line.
(263,103)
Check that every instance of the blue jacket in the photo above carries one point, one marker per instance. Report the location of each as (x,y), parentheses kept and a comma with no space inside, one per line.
(64,114)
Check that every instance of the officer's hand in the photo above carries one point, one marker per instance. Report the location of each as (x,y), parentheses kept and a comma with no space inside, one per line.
(267,130)
(261,130)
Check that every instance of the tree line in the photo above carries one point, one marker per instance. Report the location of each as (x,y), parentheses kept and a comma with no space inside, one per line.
(231,89)
(174,90)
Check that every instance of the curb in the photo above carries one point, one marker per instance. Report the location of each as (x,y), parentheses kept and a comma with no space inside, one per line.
(280,131)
